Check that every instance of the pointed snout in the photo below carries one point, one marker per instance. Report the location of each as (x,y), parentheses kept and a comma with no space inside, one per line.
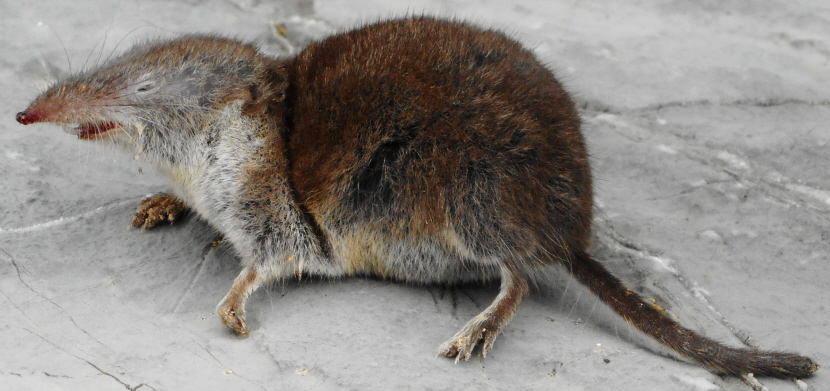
(24,118)
(41,110)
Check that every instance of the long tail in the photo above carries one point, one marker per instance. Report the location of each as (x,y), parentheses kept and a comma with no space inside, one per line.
(655,323)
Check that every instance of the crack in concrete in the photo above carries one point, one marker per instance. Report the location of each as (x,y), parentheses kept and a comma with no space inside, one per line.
(740,169)
(218,363)
(277,361)
(209,353)
(756,102)
(768,102)
(88,362)
(17,307)
(127,386)
(88,334)
(54,344)
(67,220)
(691,190)
(783,190)
(59,376)
(20,277)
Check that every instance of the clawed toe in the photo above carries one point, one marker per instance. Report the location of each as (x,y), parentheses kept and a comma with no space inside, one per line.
(454,349)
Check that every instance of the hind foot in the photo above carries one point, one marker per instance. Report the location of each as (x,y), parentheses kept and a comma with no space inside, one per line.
(487,325)
(157,208)
(461,345)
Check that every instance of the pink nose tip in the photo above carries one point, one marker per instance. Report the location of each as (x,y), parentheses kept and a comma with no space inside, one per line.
(22,118)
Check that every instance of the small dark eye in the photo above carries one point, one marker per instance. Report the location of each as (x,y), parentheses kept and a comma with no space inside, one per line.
(146,87)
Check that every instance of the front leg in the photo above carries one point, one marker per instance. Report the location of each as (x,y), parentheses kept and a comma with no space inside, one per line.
(232,308)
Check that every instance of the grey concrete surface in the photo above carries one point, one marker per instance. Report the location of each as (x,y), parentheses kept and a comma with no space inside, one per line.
(708,126)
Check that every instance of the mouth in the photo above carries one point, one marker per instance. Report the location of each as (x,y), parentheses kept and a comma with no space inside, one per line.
(90,130)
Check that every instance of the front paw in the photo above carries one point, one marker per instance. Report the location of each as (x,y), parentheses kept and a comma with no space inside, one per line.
(233,317)
(157,208)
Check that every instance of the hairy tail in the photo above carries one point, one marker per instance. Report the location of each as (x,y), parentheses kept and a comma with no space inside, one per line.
(655,323)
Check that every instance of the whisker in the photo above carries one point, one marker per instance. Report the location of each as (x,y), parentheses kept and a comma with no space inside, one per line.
(66,53)
(92,51)
(109,56)
(101,52)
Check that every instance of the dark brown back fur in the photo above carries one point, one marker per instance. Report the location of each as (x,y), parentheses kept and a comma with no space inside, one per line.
(415,122)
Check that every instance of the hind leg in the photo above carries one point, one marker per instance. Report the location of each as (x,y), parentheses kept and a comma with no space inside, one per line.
(487,325)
